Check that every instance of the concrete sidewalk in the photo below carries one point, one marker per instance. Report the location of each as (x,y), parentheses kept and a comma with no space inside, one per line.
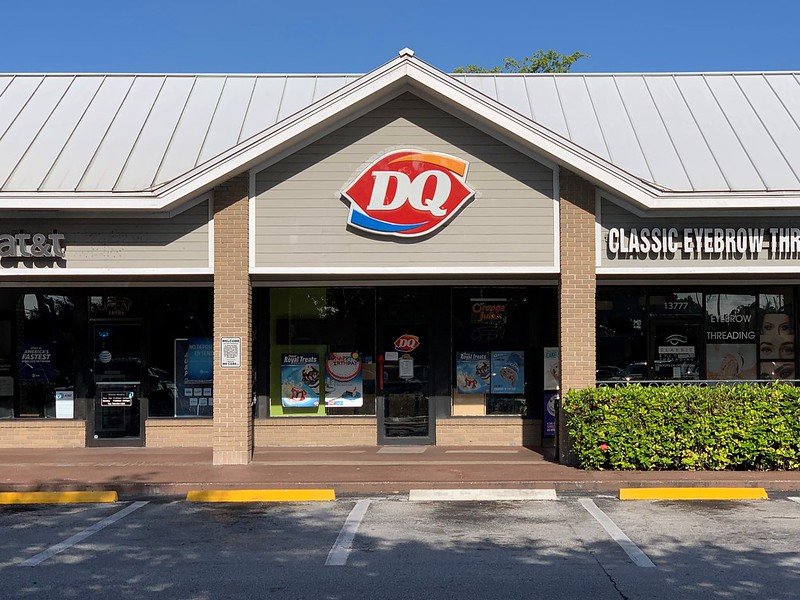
(349,470)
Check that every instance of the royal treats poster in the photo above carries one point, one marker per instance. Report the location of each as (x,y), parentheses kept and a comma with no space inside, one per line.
(300,379)
(473,372)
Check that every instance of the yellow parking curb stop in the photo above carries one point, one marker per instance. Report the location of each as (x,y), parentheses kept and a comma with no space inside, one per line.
(693,493)
(271,495)
(71,497)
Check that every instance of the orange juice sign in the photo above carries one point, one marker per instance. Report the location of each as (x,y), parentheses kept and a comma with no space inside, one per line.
(489,313)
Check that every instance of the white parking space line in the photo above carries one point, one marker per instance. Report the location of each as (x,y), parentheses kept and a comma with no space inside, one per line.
(795,499)
(337,557)
(639,558)
(79,537)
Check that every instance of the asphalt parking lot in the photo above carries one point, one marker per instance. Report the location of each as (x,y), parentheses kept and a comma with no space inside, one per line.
(573,547)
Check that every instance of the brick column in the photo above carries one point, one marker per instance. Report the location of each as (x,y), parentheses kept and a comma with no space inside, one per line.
(233,416)
(576,293)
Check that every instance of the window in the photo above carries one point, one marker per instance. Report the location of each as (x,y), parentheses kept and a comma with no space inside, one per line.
(493,346)
(621,339)
(322,351)
(731,336)
(776,335)
(7,359)
(45,343)
(716,334)
(180,368)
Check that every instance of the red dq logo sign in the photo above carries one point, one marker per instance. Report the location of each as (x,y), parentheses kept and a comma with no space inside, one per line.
(408,193)
(406,343)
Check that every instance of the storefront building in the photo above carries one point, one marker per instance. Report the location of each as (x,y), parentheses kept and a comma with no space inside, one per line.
(401,257)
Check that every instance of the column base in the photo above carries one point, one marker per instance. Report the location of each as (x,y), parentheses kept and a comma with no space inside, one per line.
(232,457)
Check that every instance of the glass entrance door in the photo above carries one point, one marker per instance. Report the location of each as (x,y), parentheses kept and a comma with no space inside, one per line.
(406,351)
(118,413)
(675,347)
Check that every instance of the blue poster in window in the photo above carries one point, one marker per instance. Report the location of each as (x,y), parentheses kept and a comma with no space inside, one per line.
(473,372)
(200,360)
(194,376)
(36,361)
(508,372)
(300,379)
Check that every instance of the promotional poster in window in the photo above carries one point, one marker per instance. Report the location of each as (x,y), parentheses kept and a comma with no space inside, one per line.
(300,380)
(194,374)
(776,337)
(508,372)
(731,336)
(473,372)
(36,361)
(344,382)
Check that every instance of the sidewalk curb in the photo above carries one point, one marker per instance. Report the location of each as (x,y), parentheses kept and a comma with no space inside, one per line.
(177,490)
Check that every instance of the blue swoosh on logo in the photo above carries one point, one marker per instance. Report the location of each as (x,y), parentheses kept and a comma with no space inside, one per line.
(366,222)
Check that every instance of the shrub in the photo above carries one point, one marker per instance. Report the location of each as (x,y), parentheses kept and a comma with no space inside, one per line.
(747,426)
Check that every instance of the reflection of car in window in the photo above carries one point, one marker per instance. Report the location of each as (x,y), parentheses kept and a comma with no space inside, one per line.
(162,392)
(606,372)
(637,370)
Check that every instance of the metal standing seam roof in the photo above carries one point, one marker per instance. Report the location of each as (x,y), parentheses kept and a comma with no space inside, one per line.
(690,132)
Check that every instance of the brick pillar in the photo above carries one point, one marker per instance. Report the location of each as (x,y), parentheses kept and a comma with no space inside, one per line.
(576,293)
(233,416)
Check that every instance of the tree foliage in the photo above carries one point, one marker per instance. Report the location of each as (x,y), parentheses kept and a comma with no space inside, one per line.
(541,61)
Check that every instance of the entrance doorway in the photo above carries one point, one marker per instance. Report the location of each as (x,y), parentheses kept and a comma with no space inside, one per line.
(118,411)
(408,349)
(675,349)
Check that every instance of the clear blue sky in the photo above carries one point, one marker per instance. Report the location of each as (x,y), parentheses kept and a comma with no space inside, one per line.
(341,36)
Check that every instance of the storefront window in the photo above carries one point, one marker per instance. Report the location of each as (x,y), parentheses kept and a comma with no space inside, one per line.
(717,334)
(181,353)
(45,365)
(675,349)
(62,350)
(731,336)
(675,335)
(675,304)
(322,351)
(621,340)
(421,351)
(493,351)
(7,359)
(776,335)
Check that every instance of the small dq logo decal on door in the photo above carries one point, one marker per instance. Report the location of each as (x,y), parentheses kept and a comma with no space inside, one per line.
(408,193)
(406,343)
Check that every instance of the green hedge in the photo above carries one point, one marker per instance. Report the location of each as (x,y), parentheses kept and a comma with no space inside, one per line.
(744,426)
